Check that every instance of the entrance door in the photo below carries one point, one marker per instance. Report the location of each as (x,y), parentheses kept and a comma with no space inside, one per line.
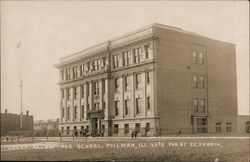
(200,125)
(94,124)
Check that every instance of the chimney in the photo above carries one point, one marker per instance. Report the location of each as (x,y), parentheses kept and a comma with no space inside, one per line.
(6,111)
(27,113)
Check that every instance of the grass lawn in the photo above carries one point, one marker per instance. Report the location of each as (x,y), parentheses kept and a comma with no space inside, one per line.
(232,150)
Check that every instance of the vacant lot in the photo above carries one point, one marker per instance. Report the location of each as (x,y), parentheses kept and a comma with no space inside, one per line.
(167,149)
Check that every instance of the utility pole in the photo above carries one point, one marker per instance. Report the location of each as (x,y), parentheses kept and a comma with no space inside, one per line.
(21,88)
(21,115)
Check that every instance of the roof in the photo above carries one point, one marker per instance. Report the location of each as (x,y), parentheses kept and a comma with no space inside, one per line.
(102,47)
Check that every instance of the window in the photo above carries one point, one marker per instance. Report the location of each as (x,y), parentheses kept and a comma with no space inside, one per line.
(116,59)
(201,58)
(62,74)
(75,92)
(218,127)
(62,130)
(103,110)
(68,93)
(75,129)
(67,130)
(195,105)
(87,89)
(199,105)
(68,113)
(99,64)
(62,112)
(127,58)
(137,55)
(103,61)
(194,57)
(75,72)
(75,112)
(82,91)
(96,106)
(82,115)
(117,85)
(68,74)
(202,105)
(91,66)
(201,82)
(87,129)
(138,81)
(62,93)
(138,105)
(198,57)
(88,106)
(148,102)
(195,81)
(149,77)
(96,88)
(146,51)
(229,127)
(103,86)
(126,128)
(198,81)
(127,106)
(127,83)
(147,128)
(140,54)
(88,67)
(116,108)
(95,66)
(81,69)
(116,128)
(137,127)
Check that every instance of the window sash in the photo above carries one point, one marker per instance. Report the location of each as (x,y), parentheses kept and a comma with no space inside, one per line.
(201,82)
(116,108)
(126,128)
(117,85)
(201,58)
(75,112)
(75,93)
(146,47)
(127,106)
(149,102)
(138,105)
(82,109)
(194,57)
(62,112)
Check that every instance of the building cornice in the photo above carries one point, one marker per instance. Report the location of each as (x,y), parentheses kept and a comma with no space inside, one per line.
(132,42)
(89,52)
(112,44)
(125,40)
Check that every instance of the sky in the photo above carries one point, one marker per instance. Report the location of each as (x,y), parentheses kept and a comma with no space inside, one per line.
(49,30)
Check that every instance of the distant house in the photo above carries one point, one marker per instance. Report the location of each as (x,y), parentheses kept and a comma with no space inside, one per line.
(11,124)
(243,124)
(46,128)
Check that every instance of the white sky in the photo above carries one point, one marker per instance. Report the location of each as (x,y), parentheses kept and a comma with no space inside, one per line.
(50,30)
